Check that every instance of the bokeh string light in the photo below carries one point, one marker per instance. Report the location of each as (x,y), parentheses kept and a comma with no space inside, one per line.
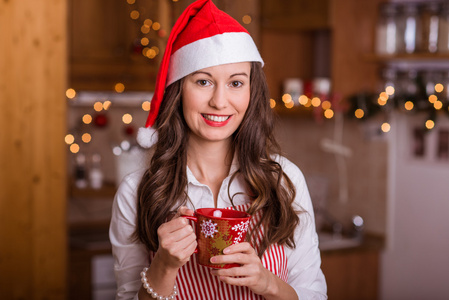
(80,135)
(430,100)
(150,33)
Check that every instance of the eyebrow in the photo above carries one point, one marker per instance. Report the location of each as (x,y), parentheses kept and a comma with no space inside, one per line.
(210,75)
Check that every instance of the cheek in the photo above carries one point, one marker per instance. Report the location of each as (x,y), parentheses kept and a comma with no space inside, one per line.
(188,103)
(243,102)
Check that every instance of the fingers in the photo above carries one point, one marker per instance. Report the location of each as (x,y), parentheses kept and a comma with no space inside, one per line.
(242,253)
(175,230)
(244,247)
(185,211)
(177,242)
(251,273)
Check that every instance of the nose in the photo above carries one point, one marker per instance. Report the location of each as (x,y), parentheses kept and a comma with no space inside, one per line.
(219,98)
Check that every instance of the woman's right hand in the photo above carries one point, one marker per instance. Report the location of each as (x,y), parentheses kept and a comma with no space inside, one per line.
(177,240)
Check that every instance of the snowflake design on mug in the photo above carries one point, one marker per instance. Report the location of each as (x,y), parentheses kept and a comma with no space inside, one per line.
(208,228)
(241,229)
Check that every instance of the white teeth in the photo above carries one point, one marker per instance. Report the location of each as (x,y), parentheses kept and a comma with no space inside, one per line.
(215,118)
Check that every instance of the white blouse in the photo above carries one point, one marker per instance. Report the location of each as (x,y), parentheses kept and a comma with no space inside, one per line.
(302,272)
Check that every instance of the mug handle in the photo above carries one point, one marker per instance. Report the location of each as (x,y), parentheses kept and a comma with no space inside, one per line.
(194,219)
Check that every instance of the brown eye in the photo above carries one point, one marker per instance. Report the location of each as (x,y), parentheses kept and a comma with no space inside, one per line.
(236,84)
(202,82)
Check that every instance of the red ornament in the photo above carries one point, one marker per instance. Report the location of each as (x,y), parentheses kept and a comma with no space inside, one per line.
(101,120)
(129,130)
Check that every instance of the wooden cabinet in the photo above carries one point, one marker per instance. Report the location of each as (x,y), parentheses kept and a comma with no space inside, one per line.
(295,14)
(105,41)
(351,274)
(291,50)
(104,45)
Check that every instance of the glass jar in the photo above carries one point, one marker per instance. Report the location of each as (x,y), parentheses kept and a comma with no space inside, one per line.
(443,35)
(389,80)
(387,41)
(430,78)
(411,27)
(445,83)
(408,87)
(430,22)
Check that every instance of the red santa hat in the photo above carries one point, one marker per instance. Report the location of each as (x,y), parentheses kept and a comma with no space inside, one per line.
(202,37)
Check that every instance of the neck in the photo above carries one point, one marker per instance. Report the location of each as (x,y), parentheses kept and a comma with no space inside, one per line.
(210,162)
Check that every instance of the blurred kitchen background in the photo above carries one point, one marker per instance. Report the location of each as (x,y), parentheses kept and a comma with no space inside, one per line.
(361,94)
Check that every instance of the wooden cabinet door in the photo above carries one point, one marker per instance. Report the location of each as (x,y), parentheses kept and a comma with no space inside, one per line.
(351,275)
(102,48)
(295,14)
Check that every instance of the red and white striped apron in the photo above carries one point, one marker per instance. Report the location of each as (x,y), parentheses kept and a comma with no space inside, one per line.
(195,282)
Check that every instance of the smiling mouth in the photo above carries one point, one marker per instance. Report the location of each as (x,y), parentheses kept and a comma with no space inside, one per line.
(215,118)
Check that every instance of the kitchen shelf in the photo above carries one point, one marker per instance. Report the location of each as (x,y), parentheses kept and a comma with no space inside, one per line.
(125,99)
(106,191)
(372,57)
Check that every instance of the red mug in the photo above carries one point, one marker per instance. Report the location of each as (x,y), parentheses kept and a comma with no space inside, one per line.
(216,229)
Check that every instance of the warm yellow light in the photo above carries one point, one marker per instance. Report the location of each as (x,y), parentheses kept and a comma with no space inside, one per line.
(383,96)
(389,90)
(148,22)
(272,103)
(86,138)
(359,113)
(145,29)
(246,19)
(98,106)
(156,26)
(69,139)
(408,105)
(289,104)
(316,101)
(70,93)
(286,98)
(127,118)
(146,105)
(144,41)
(131,1)
(134,15)
(386,127)
(175,0)
(303,99)
(87,119)
(432,98)
(438,105)
(381,101)
(107,104)
(430,124)
(150,53)
(439,87)
(74,148)
(328,113)
(326,104)
(156,49)
(119,87)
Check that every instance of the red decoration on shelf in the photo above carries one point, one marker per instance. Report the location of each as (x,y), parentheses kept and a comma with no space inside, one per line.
(101,120)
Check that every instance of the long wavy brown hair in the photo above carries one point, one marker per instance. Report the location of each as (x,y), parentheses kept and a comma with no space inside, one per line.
(163,186)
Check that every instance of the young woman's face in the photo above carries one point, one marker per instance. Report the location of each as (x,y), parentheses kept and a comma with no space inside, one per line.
(215,99)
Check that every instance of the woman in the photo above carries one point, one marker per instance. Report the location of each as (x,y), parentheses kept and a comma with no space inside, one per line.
(214,148)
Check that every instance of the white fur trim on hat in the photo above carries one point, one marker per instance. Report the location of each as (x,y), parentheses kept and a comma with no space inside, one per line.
(225,48)
(147,137)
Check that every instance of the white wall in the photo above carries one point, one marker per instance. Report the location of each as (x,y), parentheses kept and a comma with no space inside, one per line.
(415,263)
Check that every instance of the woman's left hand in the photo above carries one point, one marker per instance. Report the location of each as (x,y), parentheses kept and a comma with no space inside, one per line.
(251,273)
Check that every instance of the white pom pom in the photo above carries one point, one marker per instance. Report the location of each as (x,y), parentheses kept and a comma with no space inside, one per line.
(147,137)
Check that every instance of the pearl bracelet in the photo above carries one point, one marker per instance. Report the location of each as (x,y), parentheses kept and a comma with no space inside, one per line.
(150,290)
